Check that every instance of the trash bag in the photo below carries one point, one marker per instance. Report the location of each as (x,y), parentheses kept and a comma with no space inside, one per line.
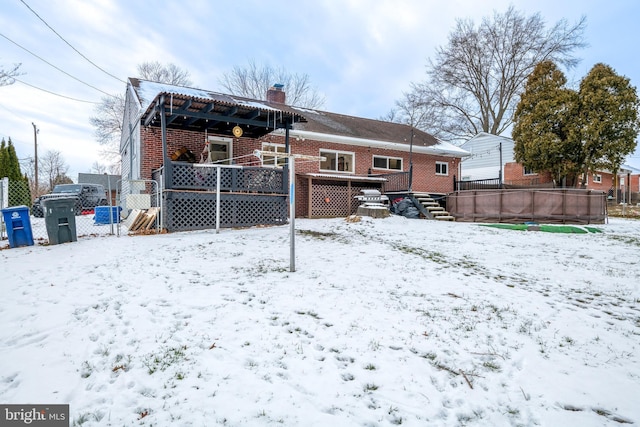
(405,207)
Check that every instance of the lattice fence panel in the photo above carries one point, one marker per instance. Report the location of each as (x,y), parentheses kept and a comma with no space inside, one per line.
(197,210)
(189,176)
(329,199)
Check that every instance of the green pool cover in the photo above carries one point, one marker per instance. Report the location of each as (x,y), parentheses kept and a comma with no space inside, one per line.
(573,229)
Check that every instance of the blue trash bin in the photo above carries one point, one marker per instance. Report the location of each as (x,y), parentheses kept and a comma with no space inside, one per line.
(18,225)
(106,214)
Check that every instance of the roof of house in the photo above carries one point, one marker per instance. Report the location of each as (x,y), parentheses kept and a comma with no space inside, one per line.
(310,123)
(107,181)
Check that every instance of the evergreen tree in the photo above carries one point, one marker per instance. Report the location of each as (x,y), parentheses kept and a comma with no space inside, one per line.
(13,164)
(543,121)
(608,122)
(567,132)
(19,193)
(4,155)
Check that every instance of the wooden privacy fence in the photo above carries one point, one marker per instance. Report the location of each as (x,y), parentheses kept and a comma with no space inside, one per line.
(559,206)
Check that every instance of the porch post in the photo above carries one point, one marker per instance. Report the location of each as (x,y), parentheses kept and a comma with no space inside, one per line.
(287,149)
(166,161)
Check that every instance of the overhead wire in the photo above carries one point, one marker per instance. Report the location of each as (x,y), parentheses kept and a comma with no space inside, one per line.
(53,93)
(57,68)
(69,44)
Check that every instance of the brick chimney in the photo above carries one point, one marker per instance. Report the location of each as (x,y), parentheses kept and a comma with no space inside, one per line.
(276,94)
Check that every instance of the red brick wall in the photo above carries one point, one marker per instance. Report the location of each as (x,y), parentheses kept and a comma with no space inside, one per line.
(514,175)
(424,166)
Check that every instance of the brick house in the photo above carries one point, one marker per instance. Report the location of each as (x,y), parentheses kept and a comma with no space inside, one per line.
(171,133)
(492,157)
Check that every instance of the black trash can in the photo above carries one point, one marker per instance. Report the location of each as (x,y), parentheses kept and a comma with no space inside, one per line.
(60,219)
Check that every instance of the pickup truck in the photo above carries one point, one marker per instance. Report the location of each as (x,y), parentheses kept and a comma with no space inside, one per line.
(87,196)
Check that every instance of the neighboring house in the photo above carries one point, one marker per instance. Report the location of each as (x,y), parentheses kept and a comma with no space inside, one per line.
(628,185)
(109,182)
(492,157)
(171,133)
(489,155)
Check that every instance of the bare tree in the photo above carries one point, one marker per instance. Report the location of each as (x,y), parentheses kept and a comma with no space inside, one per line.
(53,167)
(169,73)
(108,118)
(7,75)
(474,82)
(253,81)
(98,168)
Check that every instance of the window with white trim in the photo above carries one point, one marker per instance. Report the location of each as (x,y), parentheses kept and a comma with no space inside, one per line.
(597,178)
(273,161)
(220,150)
(528,171)
(337,161)
(442,168)
(390,163)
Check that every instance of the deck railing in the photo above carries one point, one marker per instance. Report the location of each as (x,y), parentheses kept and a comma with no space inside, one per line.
(397,181)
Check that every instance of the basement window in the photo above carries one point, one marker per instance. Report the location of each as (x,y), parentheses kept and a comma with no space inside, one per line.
(390,163)
(442,168)
(337,161)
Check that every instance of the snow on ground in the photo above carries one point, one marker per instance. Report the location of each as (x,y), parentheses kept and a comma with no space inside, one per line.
(385,322)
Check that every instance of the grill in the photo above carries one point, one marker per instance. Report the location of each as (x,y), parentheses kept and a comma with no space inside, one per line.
(372,198)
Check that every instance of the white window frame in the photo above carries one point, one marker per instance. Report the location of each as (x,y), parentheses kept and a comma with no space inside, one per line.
(528,171)
(337,153)
(597,178)
(446,166)
(387,158)
(273,161)
(219,140)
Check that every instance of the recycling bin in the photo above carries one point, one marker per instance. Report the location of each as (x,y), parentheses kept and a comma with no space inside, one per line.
(107,214)
(18,226)
(60,219)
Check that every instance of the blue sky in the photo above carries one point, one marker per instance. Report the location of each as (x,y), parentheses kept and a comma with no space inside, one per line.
(361,54)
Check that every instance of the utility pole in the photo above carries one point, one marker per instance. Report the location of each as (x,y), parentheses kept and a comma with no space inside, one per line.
(35,140)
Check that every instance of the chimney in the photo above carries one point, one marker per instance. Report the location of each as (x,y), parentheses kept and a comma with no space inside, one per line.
(276,94)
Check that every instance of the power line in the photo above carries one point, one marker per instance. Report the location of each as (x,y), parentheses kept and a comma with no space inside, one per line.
(69,44)
(50,64)
(53,93)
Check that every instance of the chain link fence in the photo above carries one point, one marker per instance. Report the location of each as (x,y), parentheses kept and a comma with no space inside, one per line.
(100,221)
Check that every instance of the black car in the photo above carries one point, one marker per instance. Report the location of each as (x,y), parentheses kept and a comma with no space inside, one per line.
(88,197)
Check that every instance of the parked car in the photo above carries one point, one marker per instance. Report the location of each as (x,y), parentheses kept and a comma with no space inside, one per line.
(88,196)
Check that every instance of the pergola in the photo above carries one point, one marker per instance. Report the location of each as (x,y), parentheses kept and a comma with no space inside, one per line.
(218,114)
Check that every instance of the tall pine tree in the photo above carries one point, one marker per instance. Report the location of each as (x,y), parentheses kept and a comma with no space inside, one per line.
(19,193)
(608,119)
(571,133)
(4,155)
(543,121)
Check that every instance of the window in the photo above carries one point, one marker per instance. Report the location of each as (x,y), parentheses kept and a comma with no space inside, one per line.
(442,168)
(393,163)
(528,171)
(274,161)
(337,161)
(220,150)
(597,178)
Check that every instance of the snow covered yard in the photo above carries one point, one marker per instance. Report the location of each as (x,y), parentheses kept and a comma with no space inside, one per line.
(385,322)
